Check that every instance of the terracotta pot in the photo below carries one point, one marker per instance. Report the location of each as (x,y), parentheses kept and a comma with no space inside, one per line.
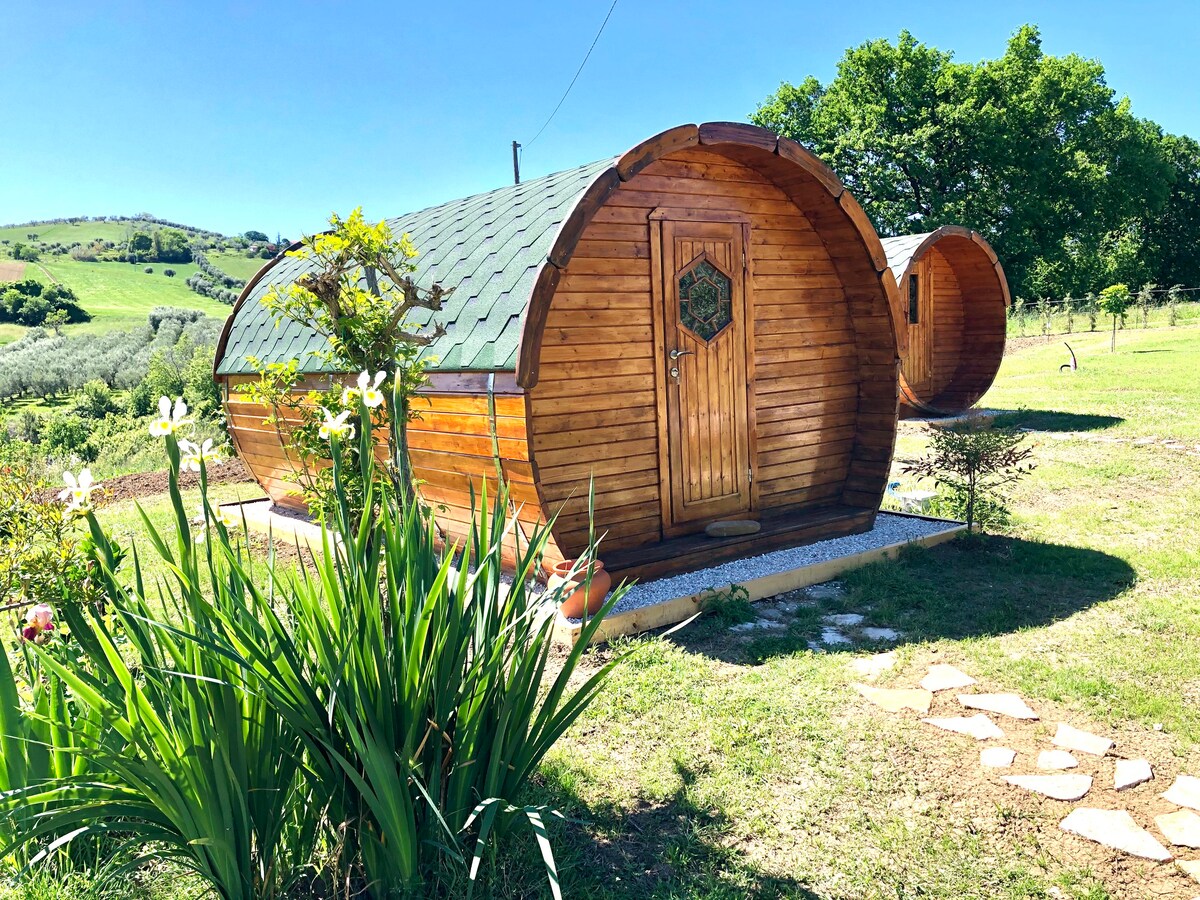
(581,598)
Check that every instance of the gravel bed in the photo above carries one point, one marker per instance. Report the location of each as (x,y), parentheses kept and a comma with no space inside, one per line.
(889,529)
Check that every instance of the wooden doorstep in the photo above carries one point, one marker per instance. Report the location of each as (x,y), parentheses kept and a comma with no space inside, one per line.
(680,609)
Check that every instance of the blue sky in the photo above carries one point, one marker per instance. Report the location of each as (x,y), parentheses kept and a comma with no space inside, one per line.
(237,115)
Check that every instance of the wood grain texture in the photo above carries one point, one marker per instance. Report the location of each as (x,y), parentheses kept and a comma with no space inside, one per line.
(809,342)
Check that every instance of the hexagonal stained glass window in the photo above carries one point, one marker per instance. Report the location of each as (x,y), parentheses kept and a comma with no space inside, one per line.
(705,300)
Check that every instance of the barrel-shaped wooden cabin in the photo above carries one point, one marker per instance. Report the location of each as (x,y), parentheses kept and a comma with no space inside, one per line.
(954,300)
(702,325)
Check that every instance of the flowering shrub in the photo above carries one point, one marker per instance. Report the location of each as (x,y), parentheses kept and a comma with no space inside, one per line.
(358,297)
(45,556)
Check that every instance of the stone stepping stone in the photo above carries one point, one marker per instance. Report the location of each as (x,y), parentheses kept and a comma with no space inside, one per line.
(1003,704)
(874,666)
(829,590)
(843,620)
(1190,867)
(1181,828)
(1115,828)
(1185,791)
(979,727)
(1056,787)
(897,699)
(881,634)
(997,757)
(943,677)
(831,636)
(1083,741)
(1131,772)
(1056,759)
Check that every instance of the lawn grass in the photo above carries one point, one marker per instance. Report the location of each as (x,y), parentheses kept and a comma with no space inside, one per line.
(717,765)
(731,767)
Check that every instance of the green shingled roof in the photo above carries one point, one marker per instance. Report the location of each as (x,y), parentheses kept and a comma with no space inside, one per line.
(900,250)
(488,247)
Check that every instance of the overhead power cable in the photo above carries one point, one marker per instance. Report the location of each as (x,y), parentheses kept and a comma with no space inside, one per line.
(577,72)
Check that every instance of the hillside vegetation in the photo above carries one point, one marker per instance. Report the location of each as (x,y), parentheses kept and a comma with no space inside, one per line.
(120,269)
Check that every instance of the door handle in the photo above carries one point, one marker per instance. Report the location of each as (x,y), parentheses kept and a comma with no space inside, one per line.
(675,354)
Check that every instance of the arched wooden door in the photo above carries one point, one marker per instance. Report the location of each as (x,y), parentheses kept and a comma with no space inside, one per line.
(702,267)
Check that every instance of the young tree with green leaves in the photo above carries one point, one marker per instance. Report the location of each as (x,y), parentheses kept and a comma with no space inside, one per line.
(1114,301)
(359,296)
(975,463)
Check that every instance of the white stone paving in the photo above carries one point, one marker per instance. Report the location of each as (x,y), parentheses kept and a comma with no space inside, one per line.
(1085,742)
(979,727)
(843,620)
(1057,787)
(943,677)
(897,699)
(1002,704)
(1181,828)
(1056,759)
(881,634)
(1130,773)
(997,757)
(872,666)
(1115,828)
(1185,791)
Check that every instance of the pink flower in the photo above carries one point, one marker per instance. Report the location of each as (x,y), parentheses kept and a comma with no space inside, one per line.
(39,622)
(41,617)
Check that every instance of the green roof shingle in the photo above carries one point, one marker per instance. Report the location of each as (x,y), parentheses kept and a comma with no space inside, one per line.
(487,247)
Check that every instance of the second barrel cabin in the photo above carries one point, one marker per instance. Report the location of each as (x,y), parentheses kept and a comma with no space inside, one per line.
(700,327)
(954,303)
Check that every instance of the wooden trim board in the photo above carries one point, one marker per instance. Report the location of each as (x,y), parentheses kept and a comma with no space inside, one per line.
(679,609)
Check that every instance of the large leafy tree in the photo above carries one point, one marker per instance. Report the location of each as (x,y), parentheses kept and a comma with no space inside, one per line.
(1034,151)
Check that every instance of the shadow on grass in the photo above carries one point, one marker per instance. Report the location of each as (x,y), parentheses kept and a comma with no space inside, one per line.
(971,587)
(669,848)
(1052,420)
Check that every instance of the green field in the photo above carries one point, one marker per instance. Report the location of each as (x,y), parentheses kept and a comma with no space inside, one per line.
(120,295)
(236,264)
(84,232)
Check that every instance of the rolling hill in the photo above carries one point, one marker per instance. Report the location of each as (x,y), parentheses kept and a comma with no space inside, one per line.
(118,295)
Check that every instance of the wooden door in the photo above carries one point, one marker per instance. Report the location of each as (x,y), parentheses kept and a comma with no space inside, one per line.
(705,346)
(919,370)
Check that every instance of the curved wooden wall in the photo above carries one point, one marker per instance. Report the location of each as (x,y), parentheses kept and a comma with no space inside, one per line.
(466,437)
(964,338)
(823,374)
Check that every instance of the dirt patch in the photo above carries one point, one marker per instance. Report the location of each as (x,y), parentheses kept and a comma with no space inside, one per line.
(140,485)
(12,270)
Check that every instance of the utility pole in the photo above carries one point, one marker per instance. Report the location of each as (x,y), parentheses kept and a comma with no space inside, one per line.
(516,164)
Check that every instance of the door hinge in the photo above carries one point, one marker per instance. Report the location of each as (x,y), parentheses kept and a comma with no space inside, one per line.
(750,475)
(744,269)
